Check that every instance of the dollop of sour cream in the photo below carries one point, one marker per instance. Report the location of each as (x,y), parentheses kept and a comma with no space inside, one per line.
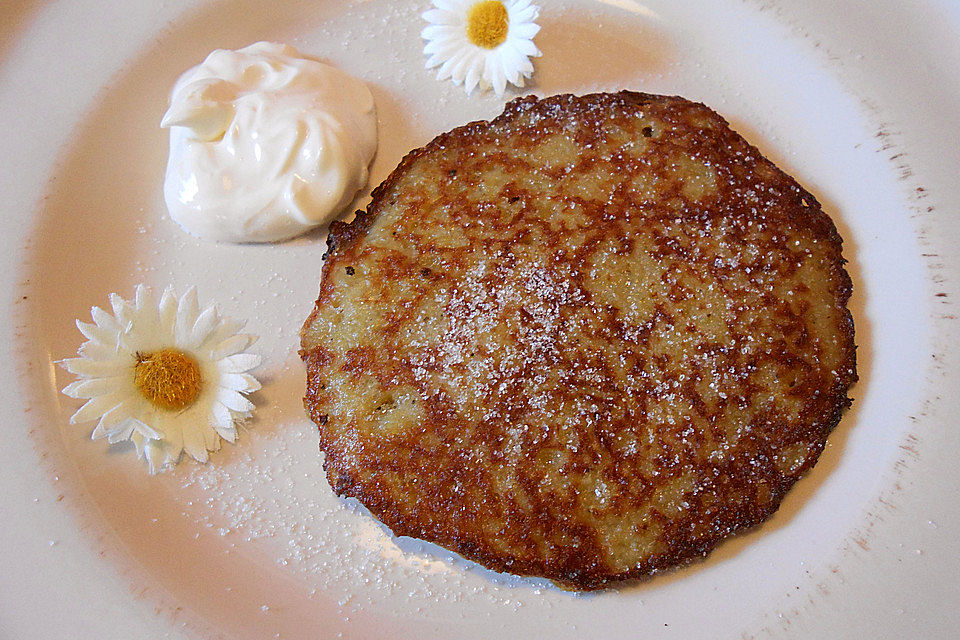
(265,144)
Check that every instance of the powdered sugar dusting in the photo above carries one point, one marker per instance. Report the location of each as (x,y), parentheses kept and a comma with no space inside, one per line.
(272,500)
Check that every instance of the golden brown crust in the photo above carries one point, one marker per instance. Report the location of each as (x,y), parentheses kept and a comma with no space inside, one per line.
(587,340)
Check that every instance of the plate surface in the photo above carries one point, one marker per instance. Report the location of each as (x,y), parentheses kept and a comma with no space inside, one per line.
(859,102)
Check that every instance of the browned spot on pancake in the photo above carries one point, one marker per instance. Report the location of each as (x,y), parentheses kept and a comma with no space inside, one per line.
(587,340)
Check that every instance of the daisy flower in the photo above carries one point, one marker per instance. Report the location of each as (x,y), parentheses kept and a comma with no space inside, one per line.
(170,377)
(481,42)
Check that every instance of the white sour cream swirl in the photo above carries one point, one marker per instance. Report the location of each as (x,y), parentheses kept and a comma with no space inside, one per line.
(265,144)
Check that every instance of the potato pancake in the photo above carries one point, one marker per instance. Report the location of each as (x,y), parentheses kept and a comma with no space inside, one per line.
(587,340)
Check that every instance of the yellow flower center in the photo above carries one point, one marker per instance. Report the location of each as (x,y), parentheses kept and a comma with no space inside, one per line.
(487,24)
(168,378)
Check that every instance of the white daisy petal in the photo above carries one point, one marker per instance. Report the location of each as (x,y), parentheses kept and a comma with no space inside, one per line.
(511,65)
(438,17)
(173,441)
(227,433)
(225,330)
(527,31)
(518,63)
(193,444)
(459,73)
(96,407)
(233,400)
(143,311)
(105,321)
(97,351)
(211,439)
(450,49)
(112,420)
(147,431)
(445,70)
(239,363)
(146,301)
(108,367)
(89,388)
(187,311)
(493,72)
(439,49)
(433,61)
(153,452)
(97,334)
(171,456)
(90,368)
(123,432)
(527,48)
(450,12)
(118,305)
(446,5)
(171,453)
(98,433)
(222,417)
(523,15)
(138,442)
(239,382)
(525,67)
(143,297)
(433,32)
(111,430)
(168,309)
(440,34)
(87,329)
(499,82)
(472,79)
(202,327)
(232,345)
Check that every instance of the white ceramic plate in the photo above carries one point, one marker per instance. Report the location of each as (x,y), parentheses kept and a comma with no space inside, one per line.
(858,100)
